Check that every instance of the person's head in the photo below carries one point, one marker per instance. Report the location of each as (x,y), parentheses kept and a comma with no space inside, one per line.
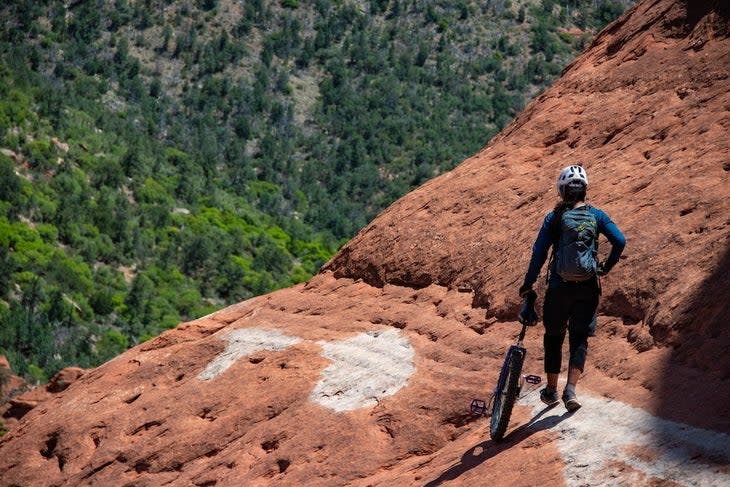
(572,184)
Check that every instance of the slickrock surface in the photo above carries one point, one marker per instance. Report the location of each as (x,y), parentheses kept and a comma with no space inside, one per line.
(10,384)
(647,111)
(364,375)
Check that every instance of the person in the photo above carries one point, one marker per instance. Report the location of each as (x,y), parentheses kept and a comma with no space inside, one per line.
(573,286)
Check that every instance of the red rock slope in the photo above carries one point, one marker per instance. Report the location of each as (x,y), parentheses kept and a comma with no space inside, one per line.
(647,111)
(363,376)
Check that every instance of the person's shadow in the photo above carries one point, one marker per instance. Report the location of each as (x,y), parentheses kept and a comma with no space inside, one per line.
(490,449)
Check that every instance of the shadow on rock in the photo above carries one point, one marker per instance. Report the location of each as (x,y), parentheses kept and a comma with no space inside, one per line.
(489,449)
(695,384)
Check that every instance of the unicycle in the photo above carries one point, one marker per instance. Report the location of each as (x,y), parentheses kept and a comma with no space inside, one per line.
(508,389)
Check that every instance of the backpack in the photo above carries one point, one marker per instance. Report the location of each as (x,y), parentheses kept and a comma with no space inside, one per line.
(575,252)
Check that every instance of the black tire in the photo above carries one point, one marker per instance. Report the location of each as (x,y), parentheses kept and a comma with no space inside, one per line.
(503,403)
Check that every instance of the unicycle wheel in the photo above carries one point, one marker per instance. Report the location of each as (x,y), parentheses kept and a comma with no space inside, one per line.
(504,399)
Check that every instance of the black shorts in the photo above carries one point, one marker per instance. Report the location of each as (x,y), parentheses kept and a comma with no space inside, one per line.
(571,305)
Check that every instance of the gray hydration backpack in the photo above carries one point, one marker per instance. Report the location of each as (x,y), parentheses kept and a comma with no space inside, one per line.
(576,247)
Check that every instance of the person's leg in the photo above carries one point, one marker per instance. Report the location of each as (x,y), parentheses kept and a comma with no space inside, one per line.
(578,346)
(553,357)
(582,325)
(569,396)
(555,319)
(578,349)
(573,375)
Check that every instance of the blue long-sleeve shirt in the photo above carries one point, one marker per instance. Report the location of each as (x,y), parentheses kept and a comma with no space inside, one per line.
(544,241)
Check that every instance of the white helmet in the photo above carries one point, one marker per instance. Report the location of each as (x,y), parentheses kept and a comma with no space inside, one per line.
(572,174)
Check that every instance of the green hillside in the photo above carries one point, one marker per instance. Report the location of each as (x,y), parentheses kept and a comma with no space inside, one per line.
(160,159)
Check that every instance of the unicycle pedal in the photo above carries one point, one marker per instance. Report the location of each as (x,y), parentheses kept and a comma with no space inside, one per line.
(478,407)
(533,379)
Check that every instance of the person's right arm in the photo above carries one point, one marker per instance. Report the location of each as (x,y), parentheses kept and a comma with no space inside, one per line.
(540,251)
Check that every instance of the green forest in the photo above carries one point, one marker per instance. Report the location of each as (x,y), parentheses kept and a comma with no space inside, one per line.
(161,159)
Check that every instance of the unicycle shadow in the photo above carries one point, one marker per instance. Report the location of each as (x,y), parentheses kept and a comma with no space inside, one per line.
(489,449)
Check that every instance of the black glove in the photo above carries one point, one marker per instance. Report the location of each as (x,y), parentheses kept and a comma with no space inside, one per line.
(527,314)
(602,269)
(526,290)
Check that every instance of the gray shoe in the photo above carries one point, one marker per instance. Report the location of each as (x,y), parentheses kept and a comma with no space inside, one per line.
(571,401)
(549,396)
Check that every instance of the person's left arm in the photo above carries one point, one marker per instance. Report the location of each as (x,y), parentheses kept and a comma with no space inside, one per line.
(614,235)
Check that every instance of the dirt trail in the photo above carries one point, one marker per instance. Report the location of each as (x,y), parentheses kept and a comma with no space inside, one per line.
(612,444)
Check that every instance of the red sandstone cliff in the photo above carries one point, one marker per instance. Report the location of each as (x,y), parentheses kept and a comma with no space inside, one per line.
(363,376)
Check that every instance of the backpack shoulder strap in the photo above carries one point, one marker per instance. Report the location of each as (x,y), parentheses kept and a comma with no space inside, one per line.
(555,225)
(555,238)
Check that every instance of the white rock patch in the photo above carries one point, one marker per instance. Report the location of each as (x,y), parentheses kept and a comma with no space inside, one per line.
(244,342)
(605,433)
(364,369)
